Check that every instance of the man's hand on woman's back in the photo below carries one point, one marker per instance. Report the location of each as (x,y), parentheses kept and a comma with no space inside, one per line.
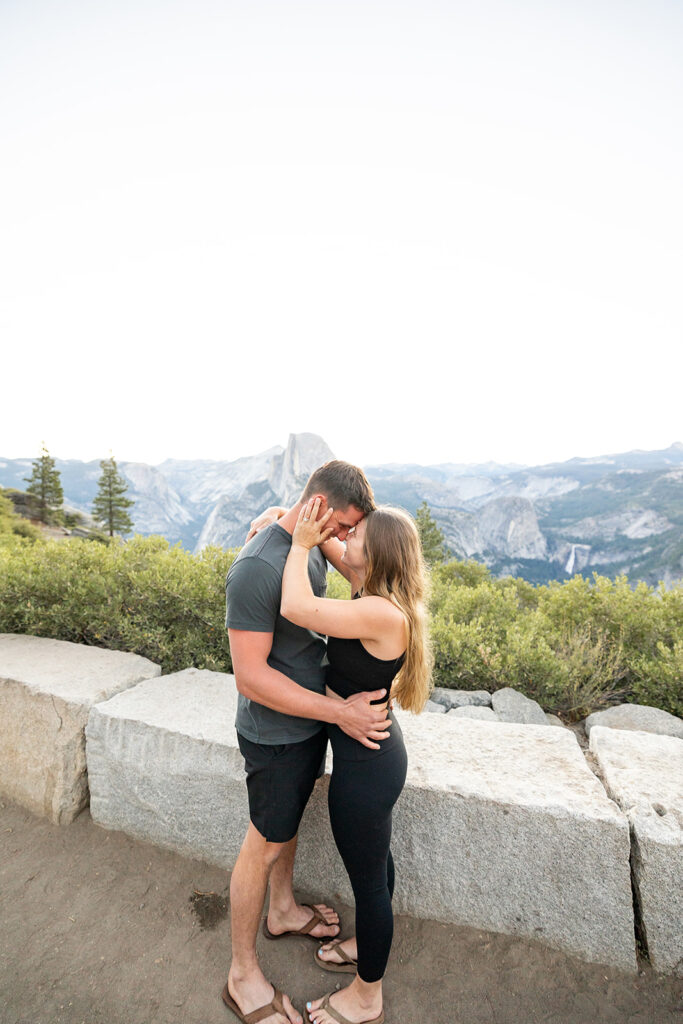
(364,721)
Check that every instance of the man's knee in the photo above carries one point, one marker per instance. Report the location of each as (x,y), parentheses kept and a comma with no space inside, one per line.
(272,852)
(257,847)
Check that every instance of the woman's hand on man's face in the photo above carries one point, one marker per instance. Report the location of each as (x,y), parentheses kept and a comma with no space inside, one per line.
(311,530)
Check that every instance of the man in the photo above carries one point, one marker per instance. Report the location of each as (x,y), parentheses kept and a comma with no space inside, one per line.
(281,713)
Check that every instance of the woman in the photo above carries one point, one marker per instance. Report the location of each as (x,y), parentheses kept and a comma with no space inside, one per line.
(374,642)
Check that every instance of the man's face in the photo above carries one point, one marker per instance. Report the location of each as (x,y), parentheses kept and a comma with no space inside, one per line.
(341,520)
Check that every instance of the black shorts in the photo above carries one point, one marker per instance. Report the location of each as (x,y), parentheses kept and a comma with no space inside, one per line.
(280,780)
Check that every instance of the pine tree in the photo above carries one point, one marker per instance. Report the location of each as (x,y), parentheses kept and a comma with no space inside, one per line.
(433,541)
(45,485)
(110,502)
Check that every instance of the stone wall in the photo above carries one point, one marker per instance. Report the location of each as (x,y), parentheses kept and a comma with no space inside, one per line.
(501,825)
(47,688)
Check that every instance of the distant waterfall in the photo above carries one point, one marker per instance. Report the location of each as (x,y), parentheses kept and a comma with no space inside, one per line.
(569,567)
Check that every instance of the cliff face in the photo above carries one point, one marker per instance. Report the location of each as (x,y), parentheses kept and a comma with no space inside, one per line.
(290,470)
(203,503)
(503,527)
(157,504)
(509,527)
(279,481)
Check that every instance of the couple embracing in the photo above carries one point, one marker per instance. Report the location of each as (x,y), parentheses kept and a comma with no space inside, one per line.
(295,693)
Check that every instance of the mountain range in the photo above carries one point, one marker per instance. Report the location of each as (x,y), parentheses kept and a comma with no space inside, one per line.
(611,514)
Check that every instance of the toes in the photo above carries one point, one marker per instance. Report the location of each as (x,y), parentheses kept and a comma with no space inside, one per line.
(331,916)
(320,1017)
(293,1015)
(330,928)
(334,952)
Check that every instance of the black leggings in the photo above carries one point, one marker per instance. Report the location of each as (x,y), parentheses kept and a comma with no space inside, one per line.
(364,787)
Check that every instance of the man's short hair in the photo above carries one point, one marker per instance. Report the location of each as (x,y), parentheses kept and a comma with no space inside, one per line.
(342,484)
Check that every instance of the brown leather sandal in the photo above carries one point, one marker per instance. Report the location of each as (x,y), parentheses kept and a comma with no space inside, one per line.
(336,1015)
(317,918)
(274,1006)
(348,966)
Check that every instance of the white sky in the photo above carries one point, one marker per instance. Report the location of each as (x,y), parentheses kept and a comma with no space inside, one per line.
(428,231)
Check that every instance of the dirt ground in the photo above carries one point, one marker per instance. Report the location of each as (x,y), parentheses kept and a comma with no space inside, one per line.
(98,928)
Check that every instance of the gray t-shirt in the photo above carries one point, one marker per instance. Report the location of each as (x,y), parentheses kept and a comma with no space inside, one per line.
(253,592)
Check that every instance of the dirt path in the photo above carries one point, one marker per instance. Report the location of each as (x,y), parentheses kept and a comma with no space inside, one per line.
(98,928)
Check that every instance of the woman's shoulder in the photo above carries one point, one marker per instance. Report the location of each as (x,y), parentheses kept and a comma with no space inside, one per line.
(383,607)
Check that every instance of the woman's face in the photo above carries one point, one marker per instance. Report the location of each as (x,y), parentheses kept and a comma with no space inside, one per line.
(353,556)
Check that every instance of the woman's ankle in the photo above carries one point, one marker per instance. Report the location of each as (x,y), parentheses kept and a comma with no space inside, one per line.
(367,994)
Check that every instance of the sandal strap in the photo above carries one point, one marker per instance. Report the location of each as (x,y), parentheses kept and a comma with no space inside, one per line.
(335,944)
(339,1017)
(275,1006)
(316,919)
(335,1014)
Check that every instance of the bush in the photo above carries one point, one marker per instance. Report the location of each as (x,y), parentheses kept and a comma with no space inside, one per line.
(338,587)
(143,596)
(574,647)
(12,523)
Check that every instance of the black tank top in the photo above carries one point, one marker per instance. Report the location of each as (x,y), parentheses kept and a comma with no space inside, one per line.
(352,669)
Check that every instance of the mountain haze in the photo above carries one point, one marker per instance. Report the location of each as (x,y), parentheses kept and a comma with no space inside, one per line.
(613,514)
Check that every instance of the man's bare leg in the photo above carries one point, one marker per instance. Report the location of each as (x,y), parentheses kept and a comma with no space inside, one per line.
(247,983)
(284,913)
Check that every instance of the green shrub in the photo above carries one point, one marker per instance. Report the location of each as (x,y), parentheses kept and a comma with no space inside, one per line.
(574,647)
(657,679)
(470,573)
(143,596)
(12,523)
(22,528)
(338,587)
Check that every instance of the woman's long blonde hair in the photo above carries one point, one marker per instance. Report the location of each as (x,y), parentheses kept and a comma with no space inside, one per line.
(395,569)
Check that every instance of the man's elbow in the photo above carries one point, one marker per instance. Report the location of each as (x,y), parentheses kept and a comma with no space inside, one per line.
(242,688)
(244,684)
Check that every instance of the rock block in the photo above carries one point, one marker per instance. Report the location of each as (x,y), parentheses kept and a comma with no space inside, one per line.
(483,714)
(638,717)
(47,688)
(643,773)
(512,706)
(500,827)
(503,828)
(164,765)
(434,708)
(460,698)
